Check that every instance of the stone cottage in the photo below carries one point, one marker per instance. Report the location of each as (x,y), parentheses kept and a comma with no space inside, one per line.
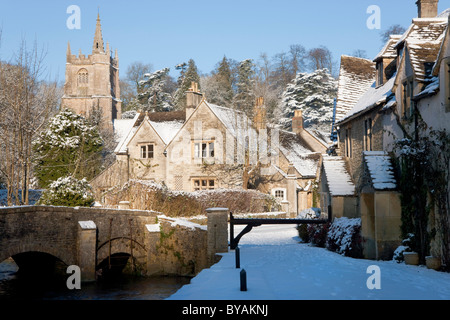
(209,147)
(406,73)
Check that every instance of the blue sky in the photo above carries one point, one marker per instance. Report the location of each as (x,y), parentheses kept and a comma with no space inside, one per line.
(165,33)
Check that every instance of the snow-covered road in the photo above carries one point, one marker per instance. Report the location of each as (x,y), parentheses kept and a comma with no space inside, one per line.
(280,268)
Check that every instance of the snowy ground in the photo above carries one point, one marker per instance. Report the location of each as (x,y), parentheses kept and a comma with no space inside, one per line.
(280,268)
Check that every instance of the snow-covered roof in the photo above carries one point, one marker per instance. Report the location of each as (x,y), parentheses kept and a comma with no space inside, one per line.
(167,129)
(355,77)
(425,30)
(380,169)
(421,53)
(297,152)
(125,131)
(372,98)
(338,179)
(122,127)
(389,50)
(166,126)
(236,122)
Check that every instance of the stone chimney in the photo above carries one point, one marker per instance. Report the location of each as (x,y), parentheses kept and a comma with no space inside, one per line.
(259,114)
(297,122)
(193,99)
(427,8)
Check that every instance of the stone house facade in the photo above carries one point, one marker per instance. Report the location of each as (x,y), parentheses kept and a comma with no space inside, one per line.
(384,113)
(209,147)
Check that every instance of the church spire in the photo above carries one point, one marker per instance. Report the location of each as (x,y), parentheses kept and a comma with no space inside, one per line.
(69,52)
(98,39)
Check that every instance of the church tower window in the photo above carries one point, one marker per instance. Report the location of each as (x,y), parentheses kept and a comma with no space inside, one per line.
(83,77)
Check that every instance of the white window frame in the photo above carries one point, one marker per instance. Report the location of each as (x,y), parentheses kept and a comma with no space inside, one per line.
(200,185)
(145,154)
(275,190)
(204,150)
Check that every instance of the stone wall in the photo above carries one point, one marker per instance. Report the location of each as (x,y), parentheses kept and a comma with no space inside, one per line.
(156,245)
(357,136)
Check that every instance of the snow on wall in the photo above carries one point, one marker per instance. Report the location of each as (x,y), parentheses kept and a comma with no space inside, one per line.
(380,169)
(339,180)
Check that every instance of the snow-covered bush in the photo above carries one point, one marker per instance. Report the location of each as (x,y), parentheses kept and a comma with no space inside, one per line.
(68,192)
(148,195)
(310,213)
(344,237)
(404,247)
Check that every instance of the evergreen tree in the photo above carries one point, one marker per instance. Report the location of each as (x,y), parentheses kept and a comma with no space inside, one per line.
(314,94)
(218,87)
(244,99)
(69,146)
(185,81)
(154,96)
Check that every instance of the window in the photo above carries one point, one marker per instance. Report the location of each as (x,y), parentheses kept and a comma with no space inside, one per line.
(348,142)
(279,194)
(147,151)
(204,150)
(204,184)
(368,134)
(380,72)
(407,99)
(83,78)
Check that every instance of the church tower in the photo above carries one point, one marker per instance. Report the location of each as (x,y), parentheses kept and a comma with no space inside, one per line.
(92,82)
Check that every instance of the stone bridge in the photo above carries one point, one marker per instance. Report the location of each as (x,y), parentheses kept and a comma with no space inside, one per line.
(95,239)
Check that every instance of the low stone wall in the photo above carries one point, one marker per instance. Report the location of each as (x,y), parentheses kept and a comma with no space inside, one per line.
(158,245)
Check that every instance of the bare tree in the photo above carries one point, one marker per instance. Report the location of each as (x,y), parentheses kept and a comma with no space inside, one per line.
(298,55)
(136,72)
(359,53)
(394,29)
(25,104)
(321,58)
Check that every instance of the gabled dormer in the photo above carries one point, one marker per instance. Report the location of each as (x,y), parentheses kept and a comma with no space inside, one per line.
(386,61)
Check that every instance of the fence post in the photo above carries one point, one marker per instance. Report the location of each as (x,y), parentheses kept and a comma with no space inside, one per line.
(238,257)
(243,276)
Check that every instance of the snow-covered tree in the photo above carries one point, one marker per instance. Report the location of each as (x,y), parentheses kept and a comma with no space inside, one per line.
(314,94)
(154,96)
(68,192)
(244,99)
(69,146)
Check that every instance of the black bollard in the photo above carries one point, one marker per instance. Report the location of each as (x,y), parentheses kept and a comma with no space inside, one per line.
(243,280)
(238,258)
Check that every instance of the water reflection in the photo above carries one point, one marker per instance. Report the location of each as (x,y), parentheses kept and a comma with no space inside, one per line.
(124,287)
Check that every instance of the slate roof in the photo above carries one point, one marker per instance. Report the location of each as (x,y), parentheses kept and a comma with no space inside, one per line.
(355,78)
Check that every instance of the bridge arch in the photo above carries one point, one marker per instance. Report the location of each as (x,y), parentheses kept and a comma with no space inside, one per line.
(64,256)
(122,248)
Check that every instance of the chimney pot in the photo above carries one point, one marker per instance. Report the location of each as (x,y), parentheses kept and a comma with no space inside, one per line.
(297,121)
(193,99)
(427,8)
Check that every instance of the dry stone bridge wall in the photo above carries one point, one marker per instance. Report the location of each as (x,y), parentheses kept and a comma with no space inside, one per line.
(86,237)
